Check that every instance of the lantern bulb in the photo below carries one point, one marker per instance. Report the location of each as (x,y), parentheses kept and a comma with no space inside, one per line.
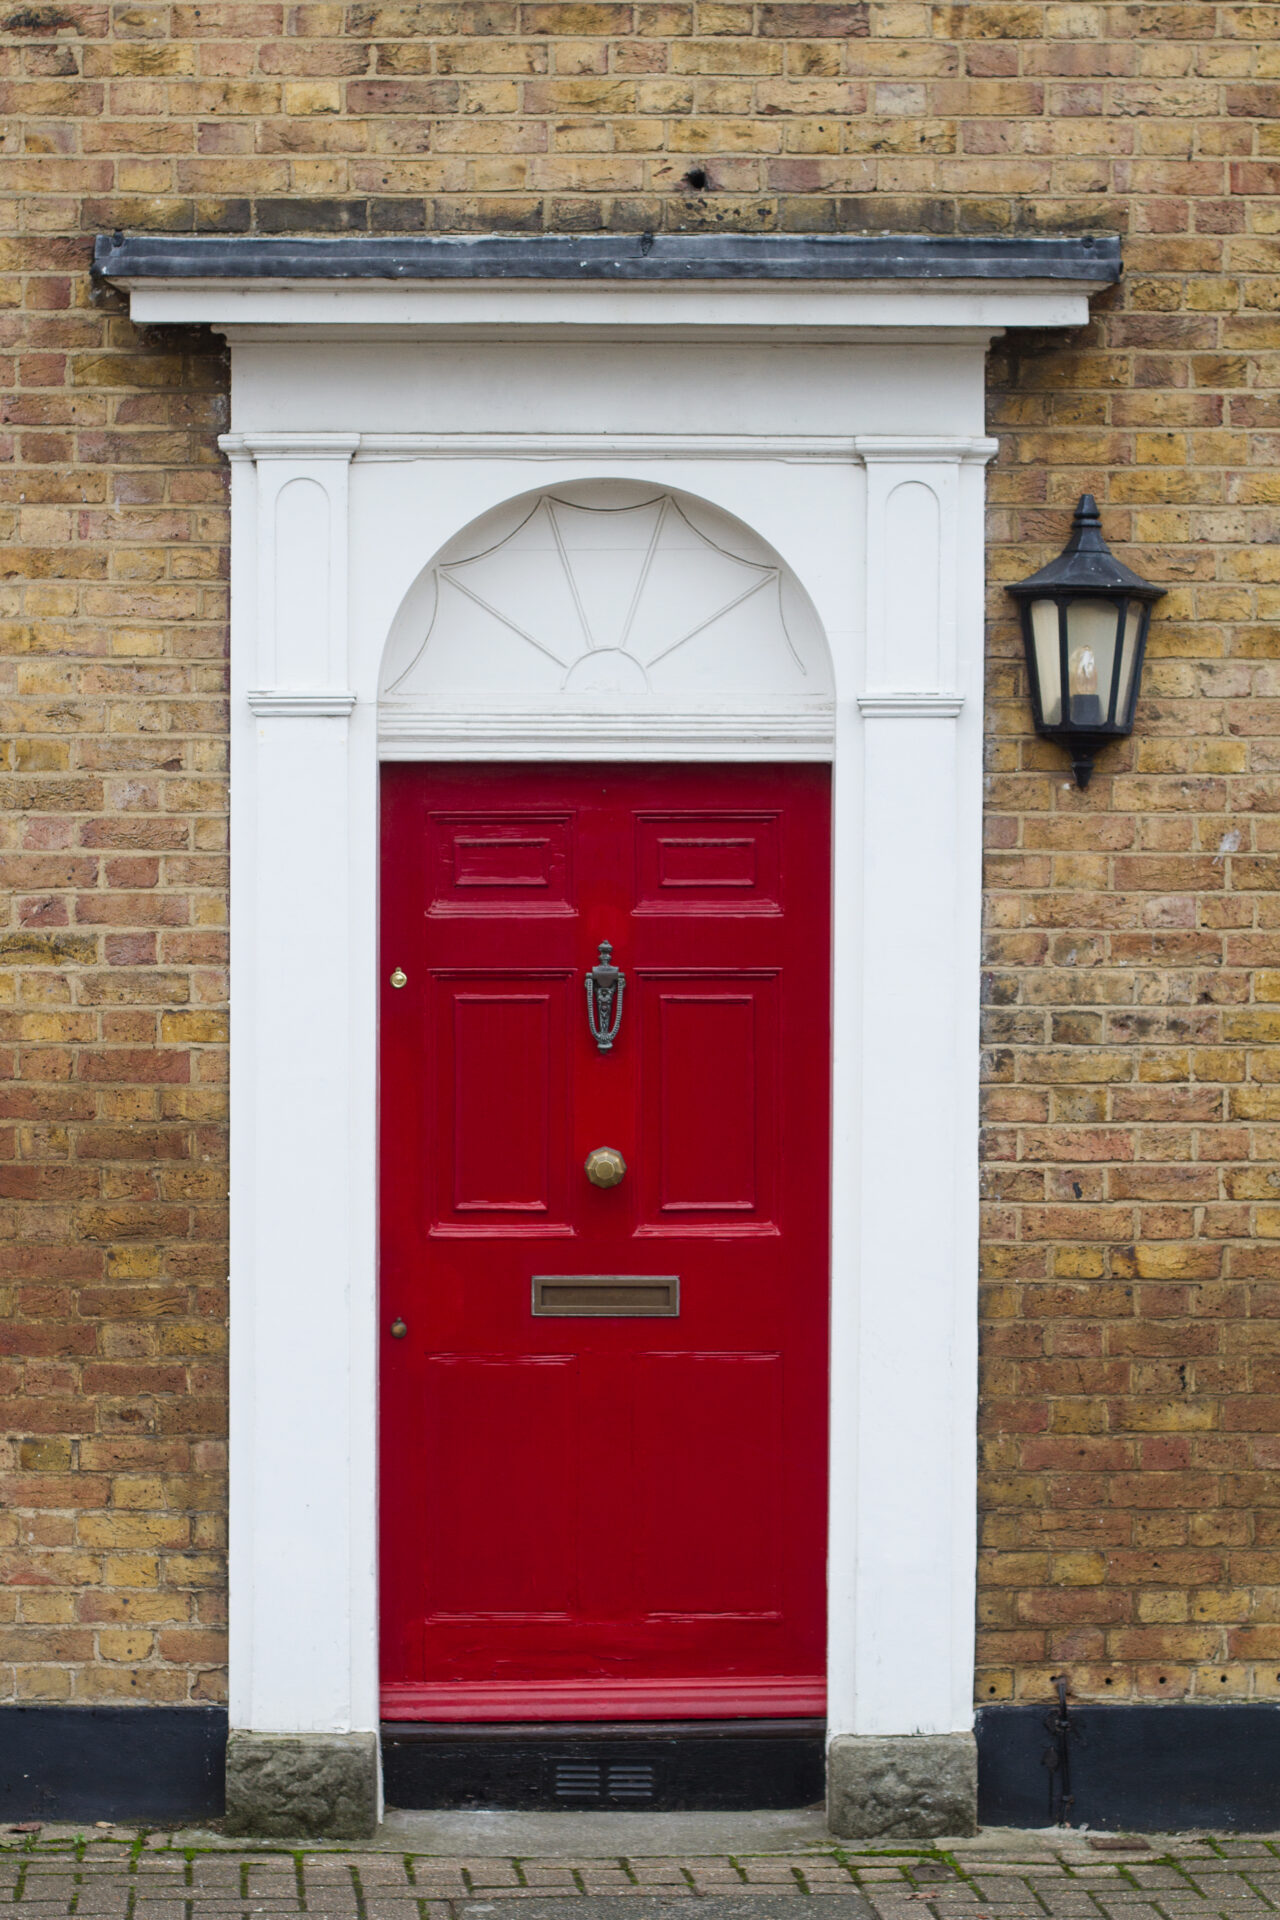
(1084,671)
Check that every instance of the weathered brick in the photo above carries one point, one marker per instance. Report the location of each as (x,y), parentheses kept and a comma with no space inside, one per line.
(1132,1228)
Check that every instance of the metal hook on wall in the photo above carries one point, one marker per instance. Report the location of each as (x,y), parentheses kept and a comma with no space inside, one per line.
(1057,1758)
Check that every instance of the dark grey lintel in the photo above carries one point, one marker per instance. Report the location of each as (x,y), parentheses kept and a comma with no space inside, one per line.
(657,257)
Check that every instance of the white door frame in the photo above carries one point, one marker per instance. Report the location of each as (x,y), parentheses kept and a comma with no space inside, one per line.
(853,442)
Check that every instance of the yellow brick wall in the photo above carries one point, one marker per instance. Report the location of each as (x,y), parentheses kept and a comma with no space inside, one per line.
(1132,1242)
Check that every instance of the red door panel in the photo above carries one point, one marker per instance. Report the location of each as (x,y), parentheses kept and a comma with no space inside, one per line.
(693,863)
(604,1515)
(490,864)
(521,1562)
(708,1062)
(510,1031)
(715,1421)
(503,1099)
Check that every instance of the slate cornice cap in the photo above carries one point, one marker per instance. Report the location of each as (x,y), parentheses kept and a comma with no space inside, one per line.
(1092,258)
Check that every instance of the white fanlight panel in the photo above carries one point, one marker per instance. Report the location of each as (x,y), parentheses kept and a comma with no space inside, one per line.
(606,594)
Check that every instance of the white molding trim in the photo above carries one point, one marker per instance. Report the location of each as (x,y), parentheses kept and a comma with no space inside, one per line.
(833,448)
(910,706)
(558,735)
(625,446)
(289,446)
(799,311)
(297,703)
(975,449)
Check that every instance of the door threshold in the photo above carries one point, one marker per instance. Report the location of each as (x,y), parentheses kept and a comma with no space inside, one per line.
(604,1767)
(603,1836)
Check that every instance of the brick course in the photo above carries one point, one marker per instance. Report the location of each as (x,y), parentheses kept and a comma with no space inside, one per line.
(1132,1154)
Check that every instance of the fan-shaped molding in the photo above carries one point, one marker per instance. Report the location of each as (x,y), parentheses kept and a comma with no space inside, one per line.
(609,613)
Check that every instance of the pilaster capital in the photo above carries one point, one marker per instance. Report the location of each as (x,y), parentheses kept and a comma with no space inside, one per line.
(301,448)
(960,449)
(300,703)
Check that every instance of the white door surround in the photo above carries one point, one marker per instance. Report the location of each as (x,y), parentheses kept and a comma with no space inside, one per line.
(837,424)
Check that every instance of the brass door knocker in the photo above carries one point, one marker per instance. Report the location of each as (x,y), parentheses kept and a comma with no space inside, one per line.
(605,985)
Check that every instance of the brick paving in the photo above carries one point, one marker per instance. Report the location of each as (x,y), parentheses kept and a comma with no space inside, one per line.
(125,1875)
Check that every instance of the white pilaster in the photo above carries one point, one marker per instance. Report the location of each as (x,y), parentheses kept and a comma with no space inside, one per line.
(906,1074)
(303,1621)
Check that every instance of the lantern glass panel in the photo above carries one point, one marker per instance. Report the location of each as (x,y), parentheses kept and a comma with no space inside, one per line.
(1044,634)
(1134,616)
(1093,629)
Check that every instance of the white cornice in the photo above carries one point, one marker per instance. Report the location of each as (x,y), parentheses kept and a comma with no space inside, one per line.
(802,310)
(834,449)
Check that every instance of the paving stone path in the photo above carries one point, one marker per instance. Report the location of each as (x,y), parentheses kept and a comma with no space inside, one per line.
(122,1875)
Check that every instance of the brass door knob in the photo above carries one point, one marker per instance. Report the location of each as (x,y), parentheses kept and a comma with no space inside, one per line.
(605,1166)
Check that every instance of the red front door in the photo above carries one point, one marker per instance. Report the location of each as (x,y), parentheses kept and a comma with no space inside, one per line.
(604,1408)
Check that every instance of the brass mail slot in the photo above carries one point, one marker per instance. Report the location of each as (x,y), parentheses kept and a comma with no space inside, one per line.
(614,1296)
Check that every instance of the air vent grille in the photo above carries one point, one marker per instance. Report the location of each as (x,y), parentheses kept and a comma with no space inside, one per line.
(622,1783)
(578,1780)
(630,1783)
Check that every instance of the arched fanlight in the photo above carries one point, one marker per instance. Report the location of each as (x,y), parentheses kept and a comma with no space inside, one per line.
(1084,626)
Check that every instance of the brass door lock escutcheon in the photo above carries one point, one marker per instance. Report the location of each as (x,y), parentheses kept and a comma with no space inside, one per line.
(605,1167)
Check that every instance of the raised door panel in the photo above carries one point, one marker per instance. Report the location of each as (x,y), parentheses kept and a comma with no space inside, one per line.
(710,1425)
(501,863)
(709,1072)
(502,1101)
(503,1445)
(707,862)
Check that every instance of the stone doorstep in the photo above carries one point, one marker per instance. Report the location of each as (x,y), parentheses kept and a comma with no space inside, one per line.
(556,1842)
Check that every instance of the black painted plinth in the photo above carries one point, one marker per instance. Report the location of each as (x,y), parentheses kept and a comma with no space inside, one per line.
(1158,1768)
(1182,1766)
(138,1764)
(689,1766)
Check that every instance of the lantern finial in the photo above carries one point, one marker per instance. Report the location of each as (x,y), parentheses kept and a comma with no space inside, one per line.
(1086,527)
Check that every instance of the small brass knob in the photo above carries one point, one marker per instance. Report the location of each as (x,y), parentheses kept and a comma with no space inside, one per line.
(605,1166)
(398,1328)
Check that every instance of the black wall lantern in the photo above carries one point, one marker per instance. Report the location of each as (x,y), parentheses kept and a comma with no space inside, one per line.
(1084,626)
